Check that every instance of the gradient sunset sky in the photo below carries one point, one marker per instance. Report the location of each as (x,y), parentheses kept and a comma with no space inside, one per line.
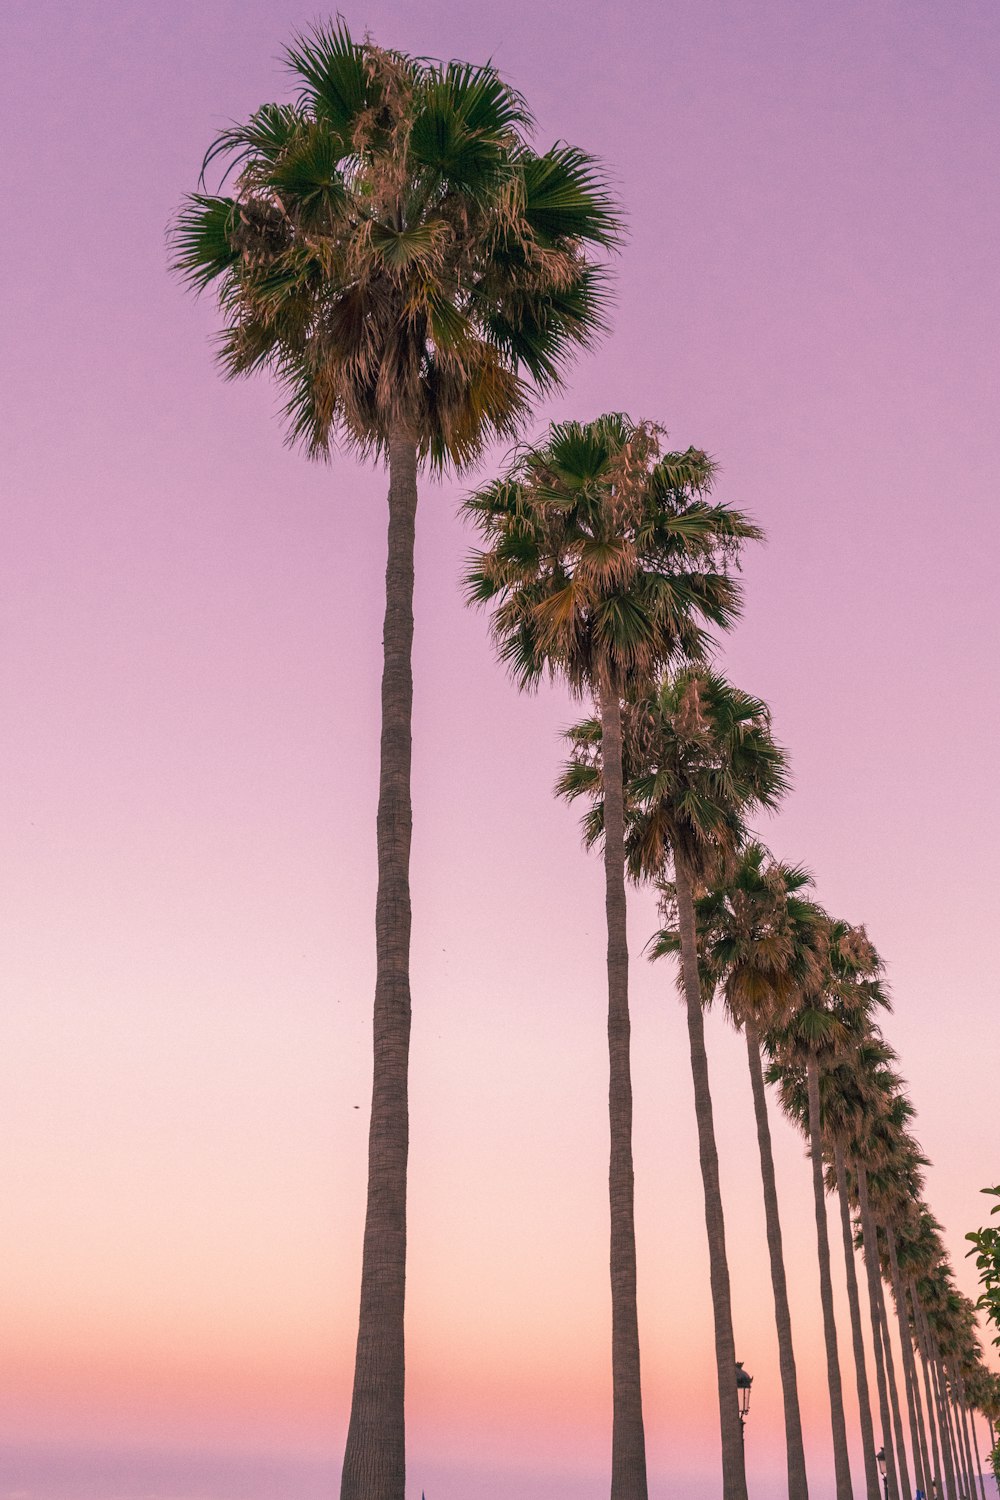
(191,641)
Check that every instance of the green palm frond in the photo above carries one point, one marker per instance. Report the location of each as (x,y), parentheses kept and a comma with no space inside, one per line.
(202,239)
(335,77)
(565,198)
(396,233)
(264,138)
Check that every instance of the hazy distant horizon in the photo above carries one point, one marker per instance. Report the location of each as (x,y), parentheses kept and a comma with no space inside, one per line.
(80,1472)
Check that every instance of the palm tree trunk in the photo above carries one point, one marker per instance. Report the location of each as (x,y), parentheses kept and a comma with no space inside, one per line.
(925,1362)
(956,1442)
(917,1438)
(963,1413)
(952,1428)
(975,1444)
(797,1485)
(864,1396)
(946,1449)
(734,1483)
(871,1267)
(890,1375)
(375,1455)
(964,1455)
(628,1442)
(841,1461)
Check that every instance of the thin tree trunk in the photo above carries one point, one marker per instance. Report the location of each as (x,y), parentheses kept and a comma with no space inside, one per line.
(797,1485)
(964,1456)
(864,1396)
(375,1455)
(892,1483)
(956,1443)
(931,1415)
(975,1444)
(871,1268)
(946,1450)
(841,1461)
(734,1484)
(917,1438)
(628,1442)
(952,1428)
(963,1413)
(897,1420)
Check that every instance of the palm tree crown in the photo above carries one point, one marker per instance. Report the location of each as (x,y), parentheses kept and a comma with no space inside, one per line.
(395,252)
(604,554)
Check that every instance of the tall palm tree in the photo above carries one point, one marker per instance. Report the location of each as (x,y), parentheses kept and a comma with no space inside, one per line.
(756,943)
(896,1185)
(846,1094)
(918,1442)
(605,562)
(821,1030)
(859,992)
(705,759)
(399,259)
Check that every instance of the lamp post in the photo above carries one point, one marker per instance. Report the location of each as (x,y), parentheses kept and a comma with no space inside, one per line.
(880,1460)
(743,1384)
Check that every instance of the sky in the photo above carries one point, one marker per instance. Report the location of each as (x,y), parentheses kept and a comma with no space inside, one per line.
(190,650)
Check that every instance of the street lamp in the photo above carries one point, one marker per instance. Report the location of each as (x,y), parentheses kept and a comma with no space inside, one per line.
(743,1384)
(880,1460)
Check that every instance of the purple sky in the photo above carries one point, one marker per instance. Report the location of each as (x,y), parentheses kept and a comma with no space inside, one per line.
(190,651)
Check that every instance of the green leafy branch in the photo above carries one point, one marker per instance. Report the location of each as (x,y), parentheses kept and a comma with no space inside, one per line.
(986,1249)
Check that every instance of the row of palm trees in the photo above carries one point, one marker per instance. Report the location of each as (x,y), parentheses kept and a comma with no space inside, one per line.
(605,560)
(394,252)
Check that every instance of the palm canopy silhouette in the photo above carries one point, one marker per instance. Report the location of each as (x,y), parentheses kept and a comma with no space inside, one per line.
(605,561)
(394,253)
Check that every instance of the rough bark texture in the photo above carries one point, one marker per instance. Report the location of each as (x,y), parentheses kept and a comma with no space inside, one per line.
(871,1268)
(931,1411)
(841,1461)
(872,1485)
(917,1442)
(628,1443)
(375,1455)
(797,1486)
(734,1483)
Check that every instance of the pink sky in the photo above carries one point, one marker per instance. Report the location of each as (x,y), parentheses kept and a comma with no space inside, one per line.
(190,655)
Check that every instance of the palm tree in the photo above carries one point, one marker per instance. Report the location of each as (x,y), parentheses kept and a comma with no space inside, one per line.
(845,1095)
(705,759)
(818,1033)
(403,263)
(876,1146)
(918,1440)
(755,942)
(605,561)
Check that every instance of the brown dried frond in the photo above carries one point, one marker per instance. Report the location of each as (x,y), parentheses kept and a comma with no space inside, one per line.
(690,721)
